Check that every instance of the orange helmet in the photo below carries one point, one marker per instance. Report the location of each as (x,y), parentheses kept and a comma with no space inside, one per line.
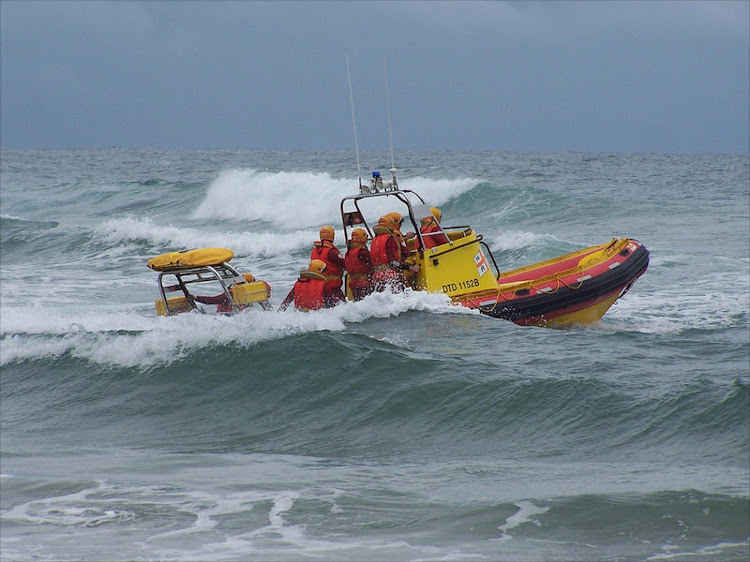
(317,266)
(388,222)
(327,233)
(436,213)
(248,277)
(359,234)
(397,217)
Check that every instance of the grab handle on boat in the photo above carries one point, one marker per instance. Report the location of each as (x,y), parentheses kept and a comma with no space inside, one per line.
(489,253)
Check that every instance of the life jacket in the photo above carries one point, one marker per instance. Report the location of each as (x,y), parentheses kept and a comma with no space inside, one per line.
(379,251)
(428,227)
(357,271)
(309,291)
(333,272)
(383,269)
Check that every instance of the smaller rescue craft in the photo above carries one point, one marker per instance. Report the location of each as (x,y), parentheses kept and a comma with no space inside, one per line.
(190,274)
(575,288)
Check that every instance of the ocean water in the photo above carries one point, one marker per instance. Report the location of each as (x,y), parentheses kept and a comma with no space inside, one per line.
(396,428)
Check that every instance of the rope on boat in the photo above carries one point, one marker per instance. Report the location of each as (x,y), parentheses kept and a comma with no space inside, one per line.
(580,281)
(560,282)
(608,251)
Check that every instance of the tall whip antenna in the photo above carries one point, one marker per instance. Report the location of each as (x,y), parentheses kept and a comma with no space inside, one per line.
(390,128)
(354,122)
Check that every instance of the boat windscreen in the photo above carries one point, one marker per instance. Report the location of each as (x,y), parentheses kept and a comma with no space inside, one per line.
(420,211)
(353,219)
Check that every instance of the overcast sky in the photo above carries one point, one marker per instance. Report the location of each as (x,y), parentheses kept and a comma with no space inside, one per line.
(518,76)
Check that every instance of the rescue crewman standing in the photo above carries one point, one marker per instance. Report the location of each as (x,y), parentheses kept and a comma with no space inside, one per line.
(387,260)
(429,226)
(359,265)
(324,250)
(311,291)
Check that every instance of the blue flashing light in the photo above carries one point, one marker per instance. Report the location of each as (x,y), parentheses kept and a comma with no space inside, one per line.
(376,174)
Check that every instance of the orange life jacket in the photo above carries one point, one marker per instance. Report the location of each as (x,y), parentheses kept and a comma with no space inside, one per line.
(358,271)
(379,251)
(434,239)
(333,271)
(309,291)
(383,254)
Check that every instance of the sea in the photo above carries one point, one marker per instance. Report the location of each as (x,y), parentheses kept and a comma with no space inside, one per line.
(396,428)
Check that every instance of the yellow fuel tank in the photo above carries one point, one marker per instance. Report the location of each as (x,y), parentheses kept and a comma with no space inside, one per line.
(176,305)
(248,293)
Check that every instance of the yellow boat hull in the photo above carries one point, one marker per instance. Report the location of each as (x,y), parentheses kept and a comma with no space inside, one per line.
(573,289)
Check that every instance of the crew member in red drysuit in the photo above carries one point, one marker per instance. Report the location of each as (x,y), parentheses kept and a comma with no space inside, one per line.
(387,260)
(401,238)
(311,291)
(221,300)
(325,250)
(359,265)
(429,226)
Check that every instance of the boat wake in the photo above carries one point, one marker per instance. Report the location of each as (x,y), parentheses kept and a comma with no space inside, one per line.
(141,340)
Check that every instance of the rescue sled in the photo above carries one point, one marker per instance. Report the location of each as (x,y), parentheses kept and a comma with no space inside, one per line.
(575,288)
(191,273)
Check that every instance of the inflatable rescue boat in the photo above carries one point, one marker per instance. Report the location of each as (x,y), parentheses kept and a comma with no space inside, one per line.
(572,289)
(191,273)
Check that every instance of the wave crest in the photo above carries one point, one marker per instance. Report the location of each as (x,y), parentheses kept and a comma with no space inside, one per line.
(292,199)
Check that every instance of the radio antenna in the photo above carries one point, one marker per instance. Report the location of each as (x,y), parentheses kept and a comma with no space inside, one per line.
(390,128)
(354,123)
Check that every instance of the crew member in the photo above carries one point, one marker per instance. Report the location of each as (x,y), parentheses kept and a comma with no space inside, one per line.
(431,232)
(221,300)
(359,265)
(387,260)
(325,250)
(401,238)
(311,291)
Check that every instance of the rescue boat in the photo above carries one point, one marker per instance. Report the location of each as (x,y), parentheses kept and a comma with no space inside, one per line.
(573,289)
(190,273)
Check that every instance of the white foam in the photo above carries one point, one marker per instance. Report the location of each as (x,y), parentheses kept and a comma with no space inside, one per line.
(132,339)
(14,218)
(515,239)
(671,312)
(292,200)
(292,534)
(67,510)
(439,191)
(206,507)
(526,510)
(282,198)
(130,228)
(293,204)
(717,551)
(268,244)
